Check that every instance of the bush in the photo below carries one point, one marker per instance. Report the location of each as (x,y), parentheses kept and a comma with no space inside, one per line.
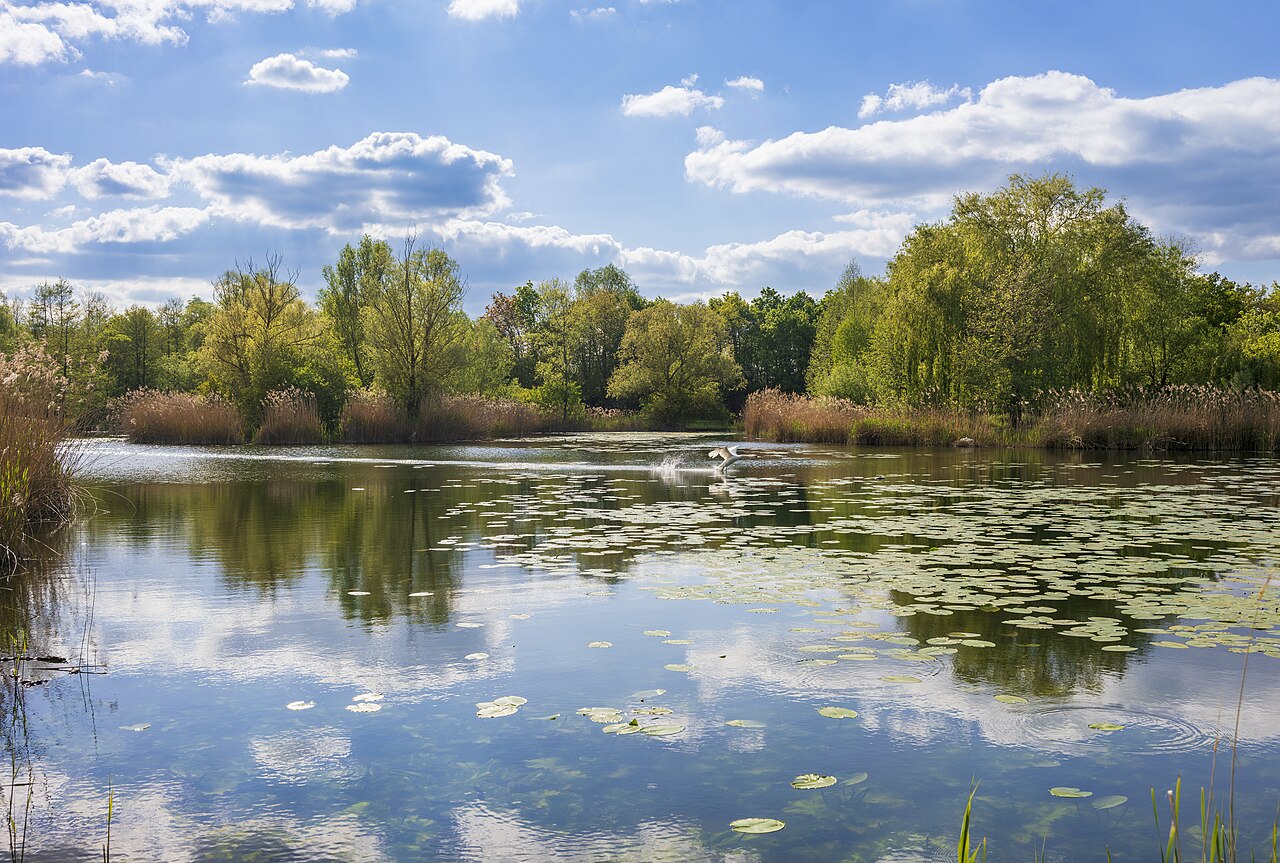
(151,416)
(290,416)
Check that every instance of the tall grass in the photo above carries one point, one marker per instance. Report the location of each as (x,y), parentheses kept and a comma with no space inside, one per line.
(36,463)
(1204,418)
(372,417)
(476,417)
(290,416)
(151,416)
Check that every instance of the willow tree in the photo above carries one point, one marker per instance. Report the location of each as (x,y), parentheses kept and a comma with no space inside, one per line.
(676,361)
(414,325)
(358,274)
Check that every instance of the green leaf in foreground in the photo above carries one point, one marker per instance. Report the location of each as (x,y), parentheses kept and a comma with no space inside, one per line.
(1068,791)
(1106,726)
(661,730)
(857,778)
(812,780)
(1011,699)
(1111,801)
(745,723)
(837,712)
(757,825)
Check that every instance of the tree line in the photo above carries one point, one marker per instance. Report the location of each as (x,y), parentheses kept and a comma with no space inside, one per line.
(1032,290)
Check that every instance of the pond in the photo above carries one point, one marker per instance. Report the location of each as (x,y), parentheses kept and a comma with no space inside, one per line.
(595,647)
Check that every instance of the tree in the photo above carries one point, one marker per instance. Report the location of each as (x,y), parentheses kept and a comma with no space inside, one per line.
(135,344)
(603,300)
(358,274)
(557,337)
(8,326)
(255,338)
(487,364)
(515,316)
(676,361)
(839,364)
(414,324)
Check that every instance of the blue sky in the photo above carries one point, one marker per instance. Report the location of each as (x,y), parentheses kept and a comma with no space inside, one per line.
(704,145)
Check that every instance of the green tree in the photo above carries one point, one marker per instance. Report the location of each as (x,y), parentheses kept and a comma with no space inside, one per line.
(515,317)
(677,361)
(840,363)
(603,300)
(556,338)
(488,361)
(359,273)
(135,344)
(415,326)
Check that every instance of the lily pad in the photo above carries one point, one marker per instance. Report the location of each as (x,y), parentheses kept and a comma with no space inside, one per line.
(367,696)
(1069,791)
(476,656)
(300,705)
(357,593)
(421,593)
(1106,726)
(757,825)
(675,666)
(511,701)
(141,726)
(837,712)
(857,778)
(600,644)
(745,723)
(364,707)
(492,710)
(1111,801)
(657,633)
(662,730)
(900,678)
(1011,699)
(807,781)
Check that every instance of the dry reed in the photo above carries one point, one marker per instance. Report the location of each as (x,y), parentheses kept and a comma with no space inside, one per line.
(151,416)
(290,417)
(372,417)
(447,418)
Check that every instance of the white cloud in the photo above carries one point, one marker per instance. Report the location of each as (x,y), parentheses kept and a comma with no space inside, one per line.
(708,136)
(746,82)
(596,14)
(913,94)
(397,177)
(287,72)
(32,172)
(108,78)
(151,224)
(102,178)
(478,10)
(1193,162)
(28,43)
(339,53)
(49,30)
(670,101)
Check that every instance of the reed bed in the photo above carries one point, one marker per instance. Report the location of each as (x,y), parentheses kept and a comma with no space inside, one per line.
(449,418)
(36,462)
(151,416)
(290,417)
(372,417)
(1203,418)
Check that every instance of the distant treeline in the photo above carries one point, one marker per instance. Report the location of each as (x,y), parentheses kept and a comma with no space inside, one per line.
(1020,296)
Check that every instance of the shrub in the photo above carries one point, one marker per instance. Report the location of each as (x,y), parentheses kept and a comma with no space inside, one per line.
(290,416)
(151,416)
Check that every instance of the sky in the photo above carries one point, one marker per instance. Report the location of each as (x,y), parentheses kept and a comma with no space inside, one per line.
(146,146)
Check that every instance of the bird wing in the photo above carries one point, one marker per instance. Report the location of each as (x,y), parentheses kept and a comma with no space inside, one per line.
(732,450)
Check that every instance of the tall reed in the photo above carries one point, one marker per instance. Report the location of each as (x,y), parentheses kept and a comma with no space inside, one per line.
(36,461)
(151,416)
(290,416)
(446,418)
(372,417)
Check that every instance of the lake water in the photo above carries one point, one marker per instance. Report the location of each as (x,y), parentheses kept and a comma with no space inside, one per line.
(1022,620)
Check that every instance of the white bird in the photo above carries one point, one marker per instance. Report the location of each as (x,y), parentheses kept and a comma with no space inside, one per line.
(728,453)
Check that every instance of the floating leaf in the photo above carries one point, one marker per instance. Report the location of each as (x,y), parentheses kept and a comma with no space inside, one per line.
(421,593)
(1011,699)
(511,701)
(678,667)
(300,705)
(745,723)
(476,656)
(900,678)
(677,641)
(141,726)
(1106,726)
(367,696)
(364,707)
(807,781)
(357,593)
(757,825)
(1119,648)
(1068,791)
(492,710)
(1111,801)
(837,712)
(653,711)
(520,616)
(657,633)
(600,644)
(662,730)
(856,779)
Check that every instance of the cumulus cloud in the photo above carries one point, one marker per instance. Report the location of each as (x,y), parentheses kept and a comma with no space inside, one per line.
(339,53)
(746,82)
(670,101)
(1198,162)
(102,178)
(142,225)
(478,10)
(288,72)
(51,30)
(397,177)
(32,172)
(914,94)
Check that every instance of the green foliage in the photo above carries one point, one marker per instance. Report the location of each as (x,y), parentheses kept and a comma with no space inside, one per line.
(676,361)
(557,337)
(359,273)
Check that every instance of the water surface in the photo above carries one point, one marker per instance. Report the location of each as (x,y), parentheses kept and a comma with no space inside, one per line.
(215,587)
